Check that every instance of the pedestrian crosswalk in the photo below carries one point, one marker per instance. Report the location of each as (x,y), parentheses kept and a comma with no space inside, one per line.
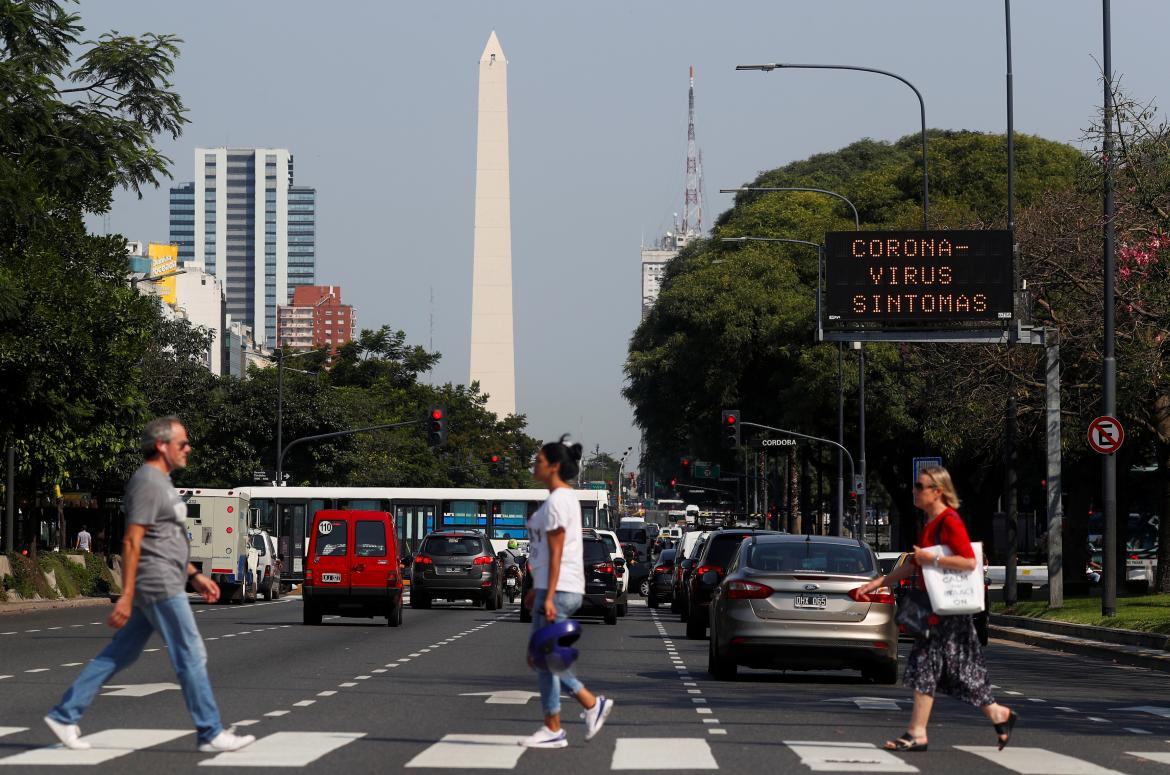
(479,751)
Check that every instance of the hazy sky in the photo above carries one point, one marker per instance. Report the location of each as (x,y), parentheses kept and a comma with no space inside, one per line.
(377,102)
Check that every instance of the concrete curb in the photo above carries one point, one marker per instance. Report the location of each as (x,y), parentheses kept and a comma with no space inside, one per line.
(1146,640)
(26,606)
(1135,656)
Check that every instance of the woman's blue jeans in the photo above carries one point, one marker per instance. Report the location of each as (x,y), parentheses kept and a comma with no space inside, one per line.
(567,604)
(173,620)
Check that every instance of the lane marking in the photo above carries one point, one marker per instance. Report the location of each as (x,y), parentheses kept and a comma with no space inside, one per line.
(1138,731)
(1161,757)
(284,749)
(361,677)
(490,752)
(72,664)
(246,722)
(1036,761)
(347,684)
(303,703)
(847,757)
(107,744)
(662,753)
(327,693)
(277,713)
(38,670)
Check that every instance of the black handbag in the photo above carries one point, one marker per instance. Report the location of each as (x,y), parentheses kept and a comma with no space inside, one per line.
(914,612)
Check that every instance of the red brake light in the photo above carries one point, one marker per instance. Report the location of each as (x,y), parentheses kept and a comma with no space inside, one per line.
(484,560)
(748,590)
(422,559)
(881,596)
(699,571)
(663,569)
(308,576)
(603,567)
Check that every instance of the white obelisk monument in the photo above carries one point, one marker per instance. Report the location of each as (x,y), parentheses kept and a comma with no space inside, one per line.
(492,352)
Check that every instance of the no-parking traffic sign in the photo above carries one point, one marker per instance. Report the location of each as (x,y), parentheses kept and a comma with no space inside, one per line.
(1106,435)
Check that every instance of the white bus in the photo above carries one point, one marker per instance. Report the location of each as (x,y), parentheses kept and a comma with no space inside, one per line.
(501,515)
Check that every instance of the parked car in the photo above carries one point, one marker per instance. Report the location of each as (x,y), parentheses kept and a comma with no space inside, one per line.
(709,568)
(353,567)
(456,565)
(600,583)
(662,579)
(789,602)
(268,564)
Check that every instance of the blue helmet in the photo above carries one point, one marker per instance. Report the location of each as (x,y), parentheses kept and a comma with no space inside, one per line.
(551,647)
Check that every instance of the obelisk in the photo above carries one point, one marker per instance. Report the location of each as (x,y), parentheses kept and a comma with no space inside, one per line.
(492,351)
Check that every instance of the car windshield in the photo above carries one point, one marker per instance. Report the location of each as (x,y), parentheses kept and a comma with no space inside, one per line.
(887,564)
(723,549)
(258,544)
(609,542)
(633,535)
(451,546)
(370,539)
(811,556)
(331,538)
(667,557)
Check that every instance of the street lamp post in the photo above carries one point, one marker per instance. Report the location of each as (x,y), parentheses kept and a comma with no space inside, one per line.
(280,356)
(155,278)
(853,207)
(767,68)
(621,468)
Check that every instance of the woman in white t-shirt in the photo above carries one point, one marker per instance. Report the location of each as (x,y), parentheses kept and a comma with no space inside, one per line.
(557,565)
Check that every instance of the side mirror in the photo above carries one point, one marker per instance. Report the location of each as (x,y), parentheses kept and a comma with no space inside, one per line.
(618,561)
(710,578)
(407,560)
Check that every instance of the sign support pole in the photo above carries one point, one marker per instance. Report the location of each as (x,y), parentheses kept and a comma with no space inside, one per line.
(1053,479)
(1109,372)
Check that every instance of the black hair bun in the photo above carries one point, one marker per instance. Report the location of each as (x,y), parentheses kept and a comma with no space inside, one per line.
(574,449)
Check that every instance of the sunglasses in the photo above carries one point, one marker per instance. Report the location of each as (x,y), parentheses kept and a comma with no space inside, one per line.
(919,486)
(184,445)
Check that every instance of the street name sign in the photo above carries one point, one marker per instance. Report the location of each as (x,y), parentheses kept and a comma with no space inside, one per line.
(1106,435)
(918,279)
(918,464)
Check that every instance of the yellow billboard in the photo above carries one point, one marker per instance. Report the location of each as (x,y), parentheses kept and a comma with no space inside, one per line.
(164,260)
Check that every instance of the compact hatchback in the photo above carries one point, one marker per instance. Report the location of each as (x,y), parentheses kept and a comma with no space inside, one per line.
(456,566)
(661,579)
(789,602)
(353,567)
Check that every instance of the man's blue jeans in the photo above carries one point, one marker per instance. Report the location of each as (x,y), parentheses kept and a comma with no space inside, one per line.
(172,619)
(567,604)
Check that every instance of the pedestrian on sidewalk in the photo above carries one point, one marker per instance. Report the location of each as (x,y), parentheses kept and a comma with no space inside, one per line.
(155,572)
(947,656)
(84,540)
(556,561)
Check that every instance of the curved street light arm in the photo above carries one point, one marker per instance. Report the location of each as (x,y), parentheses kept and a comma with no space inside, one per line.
(335,434)
(856,217)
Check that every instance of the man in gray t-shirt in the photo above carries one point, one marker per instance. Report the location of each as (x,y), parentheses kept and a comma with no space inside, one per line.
(155,572)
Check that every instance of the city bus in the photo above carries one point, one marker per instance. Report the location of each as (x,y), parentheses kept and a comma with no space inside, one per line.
(286,513)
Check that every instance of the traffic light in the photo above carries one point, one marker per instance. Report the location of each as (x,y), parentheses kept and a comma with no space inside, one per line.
(730,428)
(436,426)
(685,462)
(497,464)
(674,482)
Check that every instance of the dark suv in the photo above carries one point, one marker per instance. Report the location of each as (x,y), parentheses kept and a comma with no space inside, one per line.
(456,566)
(601,584)
(718,550)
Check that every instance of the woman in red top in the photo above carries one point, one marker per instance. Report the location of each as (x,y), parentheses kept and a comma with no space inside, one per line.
(949,657)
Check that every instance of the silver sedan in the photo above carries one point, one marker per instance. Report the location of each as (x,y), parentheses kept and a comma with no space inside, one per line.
(789,602)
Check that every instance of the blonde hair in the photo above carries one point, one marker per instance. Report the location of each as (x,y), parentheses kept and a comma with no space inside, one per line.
(942,478)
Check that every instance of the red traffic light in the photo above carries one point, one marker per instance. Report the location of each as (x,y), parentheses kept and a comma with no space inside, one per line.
(673,482)
(686,462)
(729,419)
(436,414)
(495,458)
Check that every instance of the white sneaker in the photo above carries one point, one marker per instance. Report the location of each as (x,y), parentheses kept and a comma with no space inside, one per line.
(68,734)
(595,717)
(226,741)
(546,738)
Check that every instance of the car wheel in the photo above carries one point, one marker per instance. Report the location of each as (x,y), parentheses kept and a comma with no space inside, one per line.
(644,588)
(492,601)
(651,601)
(881,674)
(674,606)
(696,627)
(525,615)
(394,618)
(622,609)
(719,667)
(611,615)
(267,590)
(311,614)
(419,600)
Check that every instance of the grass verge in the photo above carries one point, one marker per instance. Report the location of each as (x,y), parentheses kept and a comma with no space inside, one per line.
(1148,613)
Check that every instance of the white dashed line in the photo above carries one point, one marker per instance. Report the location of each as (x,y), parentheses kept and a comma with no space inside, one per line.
(1066,710)
(1036,699)
(276,713)
(327,693)
(246,722)
(1134,730)
(378,670)
(347,684)
(1100,720)
(38,670)
(72,664)
(361,678)
(304,703)
(2,677)
(149,650)
(54,628)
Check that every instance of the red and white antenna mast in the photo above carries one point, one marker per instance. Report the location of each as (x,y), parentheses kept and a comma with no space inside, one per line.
(692,220)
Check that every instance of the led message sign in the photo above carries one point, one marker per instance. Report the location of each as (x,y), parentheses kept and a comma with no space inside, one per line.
(910,278)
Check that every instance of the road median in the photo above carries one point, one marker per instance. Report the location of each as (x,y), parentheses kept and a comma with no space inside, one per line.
(1136,648)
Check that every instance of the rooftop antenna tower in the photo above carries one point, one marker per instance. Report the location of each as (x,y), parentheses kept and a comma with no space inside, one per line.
(692,220)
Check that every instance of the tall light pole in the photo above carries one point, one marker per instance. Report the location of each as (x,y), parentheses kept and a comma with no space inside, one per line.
(1109,372)
(621,468)
(280,356)
(767,68)
(839,517)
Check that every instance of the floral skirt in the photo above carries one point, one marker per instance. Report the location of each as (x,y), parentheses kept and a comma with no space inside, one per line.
(950,660)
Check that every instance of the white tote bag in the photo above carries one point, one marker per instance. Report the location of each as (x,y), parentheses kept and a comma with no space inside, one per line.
(954,592)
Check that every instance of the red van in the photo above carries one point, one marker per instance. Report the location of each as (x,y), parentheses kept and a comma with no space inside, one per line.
(353,567)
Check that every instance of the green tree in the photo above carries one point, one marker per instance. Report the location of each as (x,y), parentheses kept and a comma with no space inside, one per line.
(78,121)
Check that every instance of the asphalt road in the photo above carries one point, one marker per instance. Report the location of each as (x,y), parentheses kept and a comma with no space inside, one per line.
(355,696)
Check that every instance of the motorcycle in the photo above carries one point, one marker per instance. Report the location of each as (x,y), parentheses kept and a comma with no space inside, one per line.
(513,580)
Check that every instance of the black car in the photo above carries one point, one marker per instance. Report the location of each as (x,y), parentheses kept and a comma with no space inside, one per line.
(456,566)
(601,584)
(682,578)
(718,551)
(662,579)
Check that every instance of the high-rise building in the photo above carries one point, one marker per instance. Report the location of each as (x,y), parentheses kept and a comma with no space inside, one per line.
(243,220)
(493,356)
(316,319)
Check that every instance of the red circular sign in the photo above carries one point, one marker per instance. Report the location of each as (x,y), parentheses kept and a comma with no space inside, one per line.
(1106,435)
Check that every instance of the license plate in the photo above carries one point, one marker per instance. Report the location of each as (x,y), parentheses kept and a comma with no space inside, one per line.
(510,582)
(452,570)
(812,601)
(331,578)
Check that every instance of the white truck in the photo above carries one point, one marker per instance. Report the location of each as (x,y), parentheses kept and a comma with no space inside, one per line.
(219,524)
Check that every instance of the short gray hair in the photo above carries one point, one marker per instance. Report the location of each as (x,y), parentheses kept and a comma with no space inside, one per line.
(158,429)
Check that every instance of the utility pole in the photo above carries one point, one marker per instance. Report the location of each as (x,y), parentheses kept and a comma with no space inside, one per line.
(1109,372)
(1010,456)
(10,501)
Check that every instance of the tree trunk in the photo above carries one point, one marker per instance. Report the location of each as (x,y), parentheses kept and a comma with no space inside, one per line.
(794,521)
